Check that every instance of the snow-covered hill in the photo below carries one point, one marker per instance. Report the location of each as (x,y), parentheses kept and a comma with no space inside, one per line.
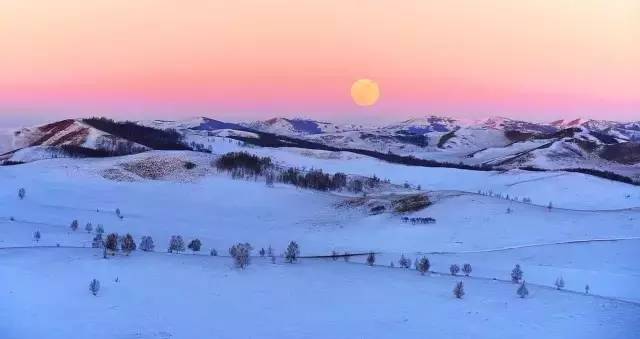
(298,127)
(496,141)
(499,142)
(589,236)
(44,142)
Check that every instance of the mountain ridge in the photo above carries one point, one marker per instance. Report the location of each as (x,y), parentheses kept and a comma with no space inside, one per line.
(499,142)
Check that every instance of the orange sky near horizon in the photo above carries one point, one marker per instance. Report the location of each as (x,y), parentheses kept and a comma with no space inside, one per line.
(256,59)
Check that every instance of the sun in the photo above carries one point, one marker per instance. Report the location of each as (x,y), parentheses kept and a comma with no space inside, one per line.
(365,92)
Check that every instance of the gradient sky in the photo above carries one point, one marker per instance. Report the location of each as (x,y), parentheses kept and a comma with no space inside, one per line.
(243,59)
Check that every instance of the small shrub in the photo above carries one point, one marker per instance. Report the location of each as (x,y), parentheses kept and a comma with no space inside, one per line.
(371,259)
(195,245)
(516,274)
(74,225)
(522,290)
(111,243)
(423,265)
(241,254)
(404,262)
(94,286)
(146,244)
(466,269)
(458,290)
(128,244)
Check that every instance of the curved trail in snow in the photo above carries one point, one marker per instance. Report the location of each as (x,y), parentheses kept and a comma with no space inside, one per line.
(508,248)
(457,193)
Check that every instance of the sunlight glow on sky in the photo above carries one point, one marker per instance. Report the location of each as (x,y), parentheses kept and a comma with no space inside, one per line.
(244,59)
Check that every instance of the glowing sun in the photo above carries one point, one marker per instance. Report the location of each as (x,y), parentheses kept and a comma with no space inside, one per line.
(365,92)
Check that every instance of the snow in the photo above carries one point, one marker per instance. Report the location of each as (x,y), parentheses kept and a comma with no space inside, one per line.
(564,189)
(591,236)
(160,295)
(33,153)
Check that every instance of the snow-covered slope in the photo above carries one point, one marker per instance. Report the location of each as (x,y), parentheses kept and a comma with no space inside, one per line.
(566,189)
(495,141)
(43,142)
(198,123)
(162,295)
(298,126)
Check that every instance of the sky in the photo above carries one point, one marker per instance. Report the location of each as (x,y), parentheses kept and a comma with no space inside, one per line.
(243,60)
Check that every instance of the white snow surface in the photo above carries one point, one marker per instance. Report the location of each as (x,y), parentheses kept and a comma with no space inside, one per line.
(159,295)
(590,236)
(564,189)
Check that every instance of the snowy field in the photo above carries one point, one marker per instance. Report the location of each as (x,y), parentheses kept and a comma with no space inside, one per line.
(563,189)
(160,295)
(595,240)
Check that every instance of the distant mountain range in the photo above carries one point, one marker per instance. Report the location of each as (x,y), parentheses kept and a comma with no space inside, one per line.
(495,142)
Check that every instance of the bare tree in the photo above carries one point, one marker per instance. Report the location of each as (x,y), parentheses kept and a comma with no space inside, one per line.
(466,269)
(94,286)
(522,290)
(22,193)
(454,269)
(74,225)
(458,290)
(128,244)
(404,262)
(516,274)
(111,243)
(195,245)
(241,254)
(146,244)
(423,265)
(292,252)
(176,244)
(371,259)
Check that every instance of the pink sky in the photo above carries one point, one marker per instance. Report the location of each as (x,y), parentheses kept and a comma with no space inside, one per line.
(243,59)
